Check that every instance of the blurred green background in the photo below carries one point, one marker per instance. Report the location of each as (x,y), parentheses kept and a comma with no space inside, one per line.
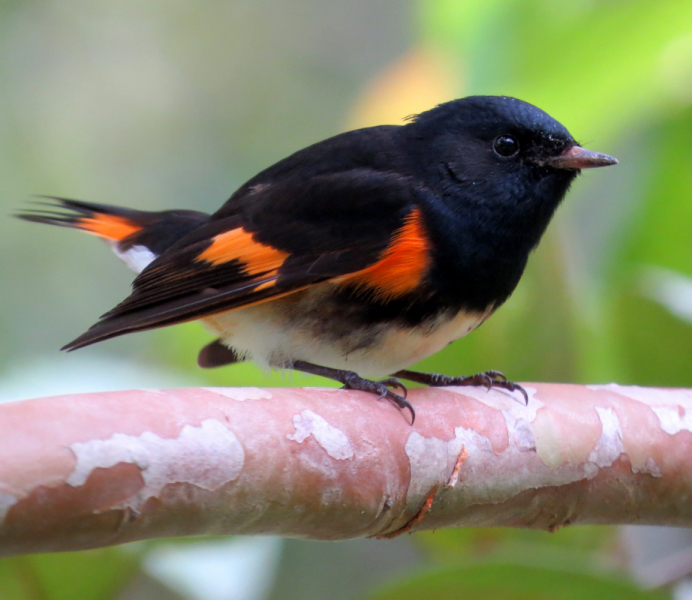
(174,104)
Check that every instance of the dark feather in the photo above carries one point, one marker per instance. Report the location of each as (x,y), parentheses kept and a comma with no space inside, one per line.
(323,238)
(216,354)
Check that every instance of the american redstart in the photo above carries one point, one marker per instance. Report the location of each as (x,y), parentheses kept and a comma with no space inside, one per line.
(357,256)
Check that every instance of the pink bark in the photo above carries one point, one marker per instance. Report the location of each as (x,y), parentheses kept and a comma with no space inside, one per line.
(90,470)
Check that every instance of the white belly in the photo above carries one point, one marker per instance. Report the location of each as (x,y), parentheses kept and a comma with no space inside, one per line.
(273,339)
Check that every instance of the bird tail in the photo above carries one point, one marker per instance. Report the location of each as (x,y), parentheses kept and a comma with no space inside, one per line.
(138,237)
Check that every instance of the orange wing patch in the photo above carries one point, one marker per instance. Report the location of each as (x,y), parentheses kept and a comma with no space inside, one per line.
(108,226)
(402,265)
(238,244)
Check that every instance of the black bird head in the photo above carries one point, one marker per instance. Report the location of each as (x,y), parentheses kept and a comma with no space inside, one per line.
(494,152)
(495,169)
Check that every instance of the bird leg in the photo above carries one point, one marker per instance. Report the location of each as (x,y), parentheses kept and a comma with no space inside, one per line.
(352,381)
(488,379)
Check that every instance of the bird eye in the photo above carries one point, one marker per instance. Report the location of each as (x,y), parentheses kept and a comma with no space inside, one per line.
(505,146)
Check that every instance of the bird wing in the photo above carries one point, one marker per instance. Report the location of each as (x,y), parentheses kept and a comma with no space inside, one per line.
(362,228)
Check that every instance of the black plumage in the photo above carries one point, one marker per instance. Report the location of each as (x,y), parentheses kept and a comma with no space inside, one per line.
(425,227)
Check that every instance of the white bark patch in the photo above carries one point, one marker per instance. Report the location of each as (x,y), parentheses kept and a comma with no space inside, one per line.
(517,413)
(486,476)
(673,407)
(432,461)
(207,456)
(523,436)
(649,467)
(609,446)
(6,501)
(240,393)
(651,396)
(504,400)
(494,478)
(673,419)
(334,441)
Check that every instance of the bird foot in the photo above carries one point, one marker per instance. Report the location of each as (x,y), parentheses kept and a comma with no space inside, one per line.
(353,381)
(487,379)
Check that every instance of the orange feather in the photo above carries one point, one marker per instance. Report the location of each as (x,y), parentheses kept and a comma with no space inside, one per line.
(238,244)
(108,226)
(403,264)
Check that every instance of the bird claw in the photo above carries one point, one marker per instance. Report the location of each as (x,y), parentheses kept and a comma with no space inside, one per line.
(496,379)
(393,382)
(496,375)
(402,403)
(382,389)
(487,379)
(512,387)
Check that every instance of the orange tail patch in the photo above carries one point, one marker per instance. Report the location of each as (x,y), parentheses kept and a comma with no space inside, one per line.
(107,226)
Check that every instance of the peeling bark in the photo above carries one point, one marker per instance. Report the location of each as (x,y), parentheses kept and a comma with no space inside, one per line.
(90,470)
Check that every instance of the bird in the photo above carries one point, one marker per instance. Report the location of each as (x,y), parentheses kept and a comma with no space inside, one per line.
(356,257)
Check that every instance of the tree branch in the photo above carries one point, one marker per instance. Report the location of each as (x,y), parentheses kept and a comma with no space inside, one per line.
(89,470)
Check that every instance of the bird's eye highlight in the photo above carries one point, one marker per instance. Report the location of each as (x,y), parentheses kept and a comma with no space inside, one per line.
(505,146)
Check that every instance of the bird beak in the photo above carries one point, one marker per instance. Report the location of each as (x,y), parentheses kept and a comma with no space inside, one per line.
(577,157)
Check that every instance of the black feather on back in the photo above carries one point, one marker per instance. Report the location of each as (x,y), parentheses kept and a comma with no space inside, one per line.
(334,207)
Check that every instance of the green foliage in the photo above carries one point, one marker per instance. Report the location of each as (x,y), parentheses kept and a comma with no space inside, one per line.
(93,575)
(618,74)
(655,344)
(513,563)
(509,582)
(584,544)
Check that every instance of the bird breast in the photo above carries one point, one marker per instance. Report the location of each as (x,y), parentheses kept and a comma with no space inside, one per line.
(303,326)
